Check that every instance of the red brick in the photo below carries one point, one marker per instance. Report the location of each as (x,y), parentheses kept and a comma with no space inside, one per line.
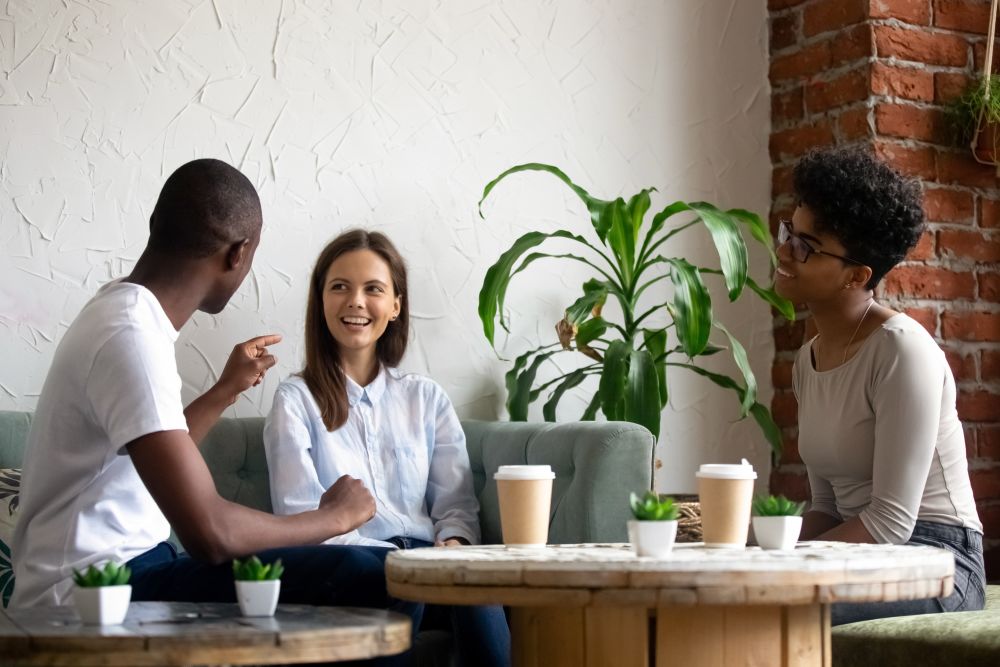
(961,169)
(979,56)
(906,82)
(793,142)
(929,282)
(924,249)
(949,85)
(803,63)
(990,367)
(969,431)
(963,366)
(781,374)
(853,124)
(916,12)
(989,286)
(793,484)
(784,31)
(852,44)
(944,205)
(962,15)
(919,46)
(789,336)
(988,442)
(977,246)
(919,162)
(826,95)
(790,449)
(784,409)
(786,106)
(927,317)
(972,326)
(978,406)
(989,212)
(910,122)
(827,15)
(989,515)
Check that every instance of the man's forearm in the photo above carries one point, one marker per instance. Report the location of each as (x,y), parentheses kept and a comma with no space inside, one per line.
(204,411)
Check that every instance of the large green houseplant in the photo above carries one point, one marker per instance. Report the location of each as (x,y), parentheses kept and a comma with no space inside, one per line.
(629,358)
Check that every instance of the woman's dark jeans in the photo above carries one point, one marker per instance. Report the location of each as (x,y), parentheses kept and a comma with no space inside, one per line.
(482,637)
(969,593)
(322,575)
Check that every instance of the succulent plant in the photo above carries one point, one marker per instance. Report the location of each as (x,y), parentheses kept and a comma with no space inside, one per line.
(653,507)
(112,574)
(251,569)
(776,506)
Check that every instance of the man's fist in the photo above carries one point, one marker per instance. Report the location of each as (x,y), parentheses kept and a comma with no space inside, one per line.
(350,501)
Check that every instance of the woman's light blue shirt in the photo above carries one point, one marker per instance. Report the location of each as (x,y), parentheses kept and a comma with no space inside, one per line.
(402,438)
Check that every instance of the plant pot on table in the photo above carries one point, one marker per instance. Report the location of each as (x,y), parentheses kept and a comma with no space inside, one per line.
(102,605)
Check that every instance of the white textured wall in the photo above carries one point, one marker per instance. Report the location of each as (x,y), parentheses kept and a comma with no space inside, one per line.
(386,114)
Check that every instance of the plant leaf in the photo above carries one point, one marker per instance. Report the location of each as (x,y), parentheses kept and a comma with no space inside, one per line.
(692,311)
(572,380)
(729,243)
(743,363)
(595,294)
(491,296)
(594,206)
(758,230)
(613,380)
(784,306)
(656,342)
(620,237)
(642,396)
(520,398)
(590,413)
(590,330)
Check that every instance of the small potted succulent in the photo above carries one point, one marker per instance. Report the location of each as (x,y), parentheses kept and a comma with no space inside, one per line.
(654,529)
(102,595)
(257,585)
(777,522)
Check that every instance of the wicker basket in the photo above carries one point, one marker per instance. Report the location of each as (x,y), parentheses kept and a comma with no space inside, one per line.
(689,522)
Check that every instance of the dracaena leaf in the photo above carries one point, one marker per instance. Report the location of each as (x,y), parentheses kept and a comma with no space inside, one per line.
(642,394)
(613,379)
(595,294)
(571,380)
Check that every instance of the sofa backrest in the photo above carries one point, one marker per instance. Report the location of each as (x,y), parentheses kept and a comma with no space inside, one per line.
(596,465)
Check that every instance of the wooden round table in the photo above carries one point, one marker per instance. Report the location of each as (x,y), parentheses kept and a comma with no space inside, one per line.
(184,633)
(596,604)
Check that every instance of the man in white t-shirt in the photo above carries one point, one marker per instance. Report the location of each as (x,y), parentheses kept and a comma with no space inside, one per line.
(112,459)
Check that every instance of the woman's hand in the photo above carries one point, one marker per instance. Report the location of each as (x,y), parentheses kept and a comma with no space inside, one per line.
(452,542)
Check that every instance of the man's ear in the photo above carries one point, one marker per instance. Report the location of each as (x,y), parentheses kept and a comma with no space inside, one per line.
(237,254)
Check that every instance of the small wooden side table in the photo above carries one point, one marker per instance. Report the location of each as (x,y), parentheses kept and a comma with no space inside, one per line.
(184,633)
(592,604)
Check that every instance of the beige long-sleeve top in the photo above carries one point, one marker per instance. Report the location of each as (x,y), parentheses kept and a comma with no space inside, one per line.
(880,434)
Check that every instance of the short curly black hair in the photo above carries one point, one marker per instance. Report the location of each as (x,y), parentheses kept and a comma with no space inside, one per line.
(872,209)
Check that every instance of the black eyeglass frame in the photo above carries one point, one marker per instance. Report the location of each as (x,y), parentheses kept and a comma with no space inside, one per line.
(799,246)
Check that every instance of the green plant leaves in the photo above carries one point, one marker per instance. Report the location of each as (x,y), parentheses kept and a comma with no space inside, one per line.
(642,395)
(571,380)
(655,340)
(776,506)
(743,363)
(613,379)
(692,307)
(730,245)
(595,294)
(112,574)
(784,306)
(519,395)
(653,507)
(251,569)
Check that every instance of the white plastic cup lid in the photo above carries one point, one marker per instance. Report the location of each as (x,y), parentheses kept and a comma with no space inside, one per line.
(524,472)
(727,470)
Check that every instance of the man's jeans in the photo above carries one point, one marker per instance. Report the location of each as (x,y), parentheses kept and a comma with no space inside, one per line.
(969,593)
(322,575)
(482,637)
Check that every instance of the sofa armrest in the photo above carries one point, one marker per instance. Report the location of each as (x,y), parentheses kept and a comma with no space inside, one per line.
(596,464)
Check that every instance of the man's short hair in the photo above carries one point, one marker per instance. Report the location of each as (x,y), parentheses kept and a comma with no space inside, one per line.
(204,206)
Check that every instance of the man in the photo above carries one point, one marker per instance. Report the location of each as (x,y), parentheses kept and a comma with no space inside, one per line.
(113,461)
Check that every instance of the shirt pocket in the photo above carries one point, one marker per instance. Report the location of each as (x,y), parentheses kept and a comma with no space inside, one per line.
(412,468)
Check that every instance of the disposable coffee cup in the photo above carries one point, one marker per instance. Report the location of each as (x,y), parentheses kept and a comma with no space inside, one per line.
(725,493)
(525,494)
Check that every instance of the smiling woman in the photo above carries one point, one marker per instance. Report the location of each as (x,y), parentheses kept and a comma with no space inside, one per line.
(878,427)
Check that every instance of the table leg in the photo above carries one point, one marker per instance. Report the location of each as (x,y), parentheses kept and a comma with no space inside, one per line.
(730,636)
(580,637)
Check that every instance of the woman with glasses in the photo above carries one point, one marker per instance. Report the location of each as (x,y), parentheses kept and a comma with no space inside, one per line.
(878,428)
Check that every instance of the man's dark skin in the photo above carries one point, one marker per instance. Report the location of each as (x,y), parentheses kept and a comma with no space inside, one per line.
(211,528)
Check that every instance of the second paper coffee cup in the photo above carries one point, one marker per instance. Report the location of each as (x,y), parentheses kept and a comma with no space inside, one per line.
(525,494)
(725,493)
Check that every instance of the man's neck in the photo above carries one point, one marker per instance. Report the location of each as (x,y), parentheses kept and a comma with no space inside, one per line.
(179,288)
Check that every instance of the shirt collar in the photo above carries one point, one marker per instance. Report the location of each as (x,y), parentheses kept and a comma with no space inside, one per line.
(374,390)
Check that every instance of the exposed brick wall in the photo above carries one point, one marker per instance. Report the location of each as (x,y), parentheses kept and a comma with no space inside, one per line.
(878,72)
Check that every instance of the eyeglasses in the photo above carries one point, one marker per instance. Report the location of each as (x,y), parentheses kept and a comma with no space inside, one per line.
(800,248)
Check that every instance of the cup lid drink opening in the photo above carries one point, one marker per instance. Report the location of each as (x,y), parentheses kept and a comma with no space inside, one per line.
(524,472)
(727,470)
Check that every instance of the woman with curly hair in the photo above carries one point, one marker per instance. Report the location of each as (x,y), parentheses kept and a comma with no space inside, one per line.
(878,427)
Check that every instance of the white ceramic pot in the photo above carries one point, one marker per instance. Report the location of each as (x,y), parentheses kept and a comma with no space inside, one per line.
(258,598)
(652,538)
(102,605)
(777,532)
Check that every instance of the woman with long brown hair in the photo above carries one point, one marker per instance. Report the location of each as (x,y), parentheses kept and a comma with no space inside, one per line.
(351,412)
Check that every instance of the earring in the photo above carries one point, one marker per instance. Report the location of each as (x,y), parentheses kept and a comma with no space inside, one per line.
(848,285)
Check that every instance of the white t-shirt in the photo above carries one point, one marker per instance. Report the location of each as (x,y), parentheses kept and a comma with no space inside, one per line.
(113,379)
